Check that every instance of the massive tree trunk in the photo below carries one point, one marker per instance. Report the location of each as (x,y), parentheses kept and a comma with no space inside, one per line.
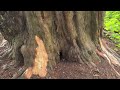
(53,36)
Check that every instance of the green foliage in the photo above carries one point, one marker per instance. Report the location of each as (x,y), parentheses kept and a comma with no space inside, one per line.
(112,25)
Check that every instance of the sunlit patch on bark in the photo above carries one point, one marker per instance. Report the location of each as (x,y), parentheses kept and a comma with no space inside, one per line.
(40,61)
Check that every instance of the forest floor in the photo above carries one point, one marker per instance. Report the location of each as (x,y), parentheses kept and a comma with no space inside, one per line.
(73,70)
(67,70)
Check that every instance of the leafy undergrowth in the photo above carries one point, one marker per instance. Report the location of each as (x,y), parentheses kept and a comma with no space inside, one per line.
(112,26)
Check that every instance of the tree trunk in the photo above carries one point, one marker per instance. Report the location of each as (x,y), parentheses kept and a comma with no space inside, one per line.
(57,35)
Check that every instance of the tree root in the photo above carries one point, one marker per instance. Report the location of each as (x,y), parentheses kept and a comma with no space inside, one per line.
(110,55)
(20,74)
(6,49)
(5,53)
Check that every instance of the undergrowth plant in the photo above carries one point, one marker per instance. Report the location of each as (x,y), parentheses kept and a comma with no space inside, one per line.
(112,26)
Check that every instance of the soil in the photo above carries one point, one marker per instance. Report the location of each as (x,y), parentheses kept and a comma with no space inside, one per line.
(81,71)
(67,70)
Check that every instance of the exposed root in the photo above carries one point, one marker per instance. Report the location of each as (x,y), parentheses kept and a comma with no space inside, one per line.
(7,52)
(19,74)
(6,49)
(109,55)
